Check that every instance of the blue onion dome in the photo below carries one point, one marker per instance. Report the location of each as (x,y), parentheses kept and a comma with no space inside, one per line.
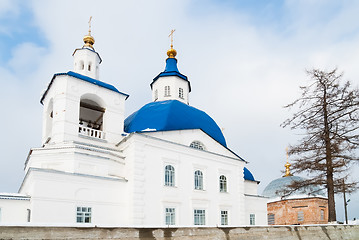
(172,115)
(274,188)
(247,174)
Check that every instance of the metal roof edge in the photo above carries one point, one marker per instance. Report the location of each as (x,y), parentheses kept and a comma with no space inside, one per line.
(84,78)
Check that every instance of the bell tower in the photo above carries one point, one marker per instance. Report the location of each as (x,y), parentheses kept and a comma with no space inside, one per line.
(80,107)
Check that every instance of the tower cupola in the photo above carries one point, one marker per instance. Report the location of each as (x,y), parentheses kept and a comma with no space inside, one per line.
(171,84)
(86,59)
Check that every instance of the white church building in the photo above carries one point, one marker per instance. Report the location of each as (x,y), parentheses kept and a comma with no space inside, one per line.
(166,164)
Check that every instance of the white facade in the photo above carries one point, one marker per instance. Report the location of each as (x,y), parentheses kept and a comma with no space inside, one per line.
(14,208)
(89,171)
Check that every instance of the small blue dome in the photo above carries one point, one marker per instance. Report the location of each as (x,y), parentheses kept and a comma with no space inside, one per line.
(247,174)
(172,115)
(274,188)
(171,70)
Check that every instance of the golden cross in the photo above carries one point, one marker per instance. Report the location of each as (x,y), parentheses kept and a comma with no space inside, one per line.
(286,150)
(171,35)
(90,25)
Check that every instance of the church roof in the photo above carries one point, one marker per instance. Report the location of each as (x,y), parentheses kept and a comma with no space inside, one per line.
(84,78)
(274,188)
(171,70)
(247,174)
(172,115)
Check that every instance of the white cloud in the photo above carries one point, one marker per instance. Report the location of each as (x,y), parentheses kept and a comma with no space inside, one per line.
(26,58)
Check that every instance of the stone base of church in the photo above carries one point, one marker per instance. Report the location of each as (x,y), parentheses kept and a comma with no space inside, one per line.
(267,232)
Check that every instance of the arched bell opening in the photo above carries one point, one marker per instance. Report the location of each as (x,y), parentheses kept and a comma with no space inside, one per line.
(91,120)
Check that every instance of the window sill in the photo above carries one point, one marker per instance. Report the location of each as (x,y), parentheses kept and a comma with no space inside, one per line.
(199,190)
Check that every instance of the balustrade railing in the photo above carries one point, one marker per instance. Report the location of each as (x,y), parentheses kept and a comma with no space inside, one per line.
(90,132)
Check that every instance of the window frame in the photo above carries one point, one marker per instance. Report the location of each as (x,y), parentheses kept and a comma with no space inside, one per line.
(224,217)
(167,91)
(156,94)
(199,216)
(198,180)
(170,215)
(180,93)
(197,145)
(223,184)
(271,219)
(252,219)
(300,216)
(83,213)
(322,213)
(170,176)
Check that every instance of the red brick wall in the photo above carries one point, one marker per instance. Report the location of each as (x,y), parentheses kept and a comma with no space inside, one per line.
(286,211)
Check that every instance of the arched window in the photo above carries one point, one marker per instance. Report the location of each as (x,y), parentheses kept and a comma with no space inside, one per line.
(82,65)
(167,91)
(89,67)
(180,93)
(49,121)
(222,183)
(169,176)
(156,95)
(198,180)
(197,144)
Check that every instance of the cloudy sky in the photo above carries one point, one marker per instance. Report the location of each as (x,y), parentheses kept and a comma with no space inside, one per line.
(245,61)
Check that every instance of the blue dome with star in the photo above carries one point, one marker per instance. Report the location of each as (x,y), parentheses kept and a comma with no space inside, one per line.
(172,115)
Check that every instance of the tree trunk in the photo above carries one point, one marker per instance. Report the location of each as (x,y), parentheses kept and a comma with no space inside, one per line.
(329,163)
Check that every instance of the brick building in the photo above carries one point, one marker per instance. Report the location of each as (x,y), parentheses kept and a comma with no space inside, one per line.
(304,206)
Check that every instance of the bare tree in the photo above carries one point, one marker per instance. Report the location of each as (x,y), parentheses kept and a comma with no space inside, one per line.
(327,114)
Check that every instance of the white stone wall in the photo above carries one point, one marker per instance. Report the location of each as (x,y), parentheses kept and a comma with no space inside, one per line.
(175,83)
(78,158)
(256,205)
(55,196)
(251,187)
(148,158)
(13,211)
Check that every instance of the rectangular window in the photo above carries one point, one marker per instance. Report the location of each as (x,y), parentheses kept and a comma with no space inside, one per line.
(224,217)
(300,216)
(83,215)
(199,217)
(167,91)
(321,214)
(170,216)
(28,215)
(180,93)
(271,219)
(156,95)
(252,219)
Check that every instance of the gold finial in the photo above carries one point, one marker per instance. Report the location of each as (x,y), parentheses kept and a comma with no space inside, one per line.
(287,166)
(88,39)
(171,53)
